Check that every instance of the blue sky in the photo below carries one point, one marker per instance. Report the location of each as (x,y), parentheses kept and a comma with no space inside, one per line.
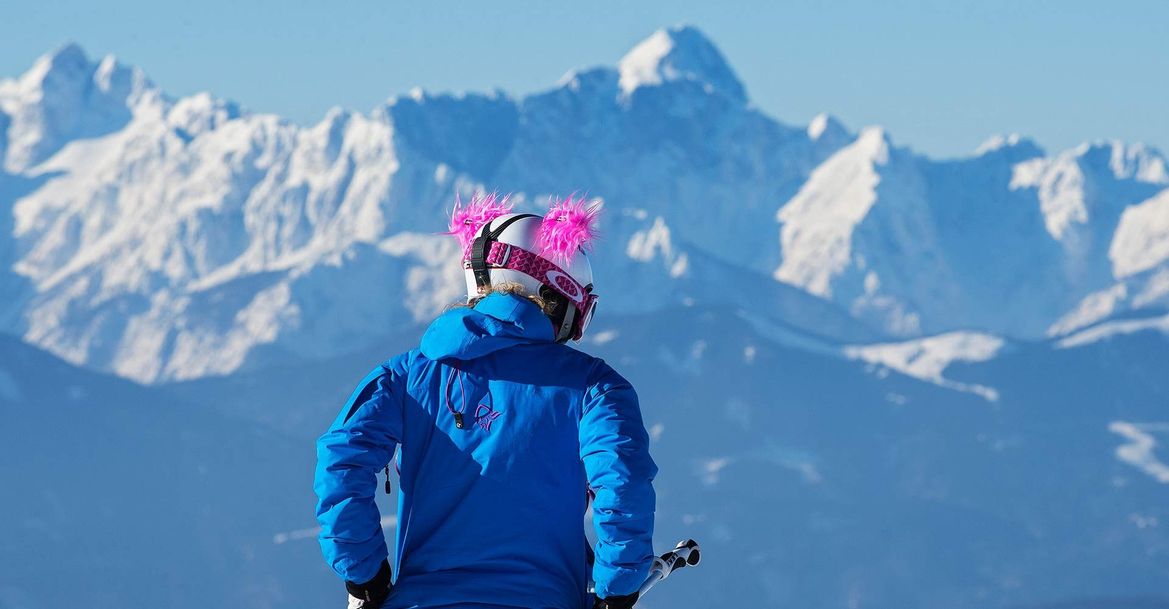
(941,76)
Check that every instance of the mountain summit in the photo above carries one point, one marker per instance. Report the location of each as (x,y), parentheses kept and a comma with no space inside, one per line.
(66,96)
(680,53)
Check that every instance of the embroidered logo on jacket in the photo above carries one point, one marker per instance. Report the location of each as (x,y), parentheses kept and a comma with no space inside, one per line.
(484,415)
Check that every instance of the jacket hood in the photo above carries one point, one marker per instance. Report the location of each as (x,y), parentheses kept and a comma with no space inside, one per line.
(497,322)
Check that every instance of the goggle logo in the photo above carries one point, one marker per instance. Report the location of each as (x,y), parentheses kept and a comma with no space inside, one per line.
(565,284)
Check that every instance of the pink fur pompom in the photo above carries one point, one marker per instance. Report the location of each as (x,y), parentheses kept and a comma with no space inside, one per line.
(569,225)
(483,208)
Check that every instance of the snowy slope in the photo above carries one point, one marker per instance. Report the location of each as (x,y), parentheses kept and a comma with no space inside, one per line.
(1007,241)
(835,237)
(1142,237)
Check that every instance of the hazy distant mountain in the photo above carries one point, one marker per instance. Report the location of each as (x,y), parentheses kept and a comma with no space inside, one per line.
(813,479)
(115,493)
(836,479)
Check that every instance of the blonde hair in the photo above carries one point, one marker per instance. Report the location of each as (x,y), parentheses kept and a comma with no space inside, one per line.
(507,287)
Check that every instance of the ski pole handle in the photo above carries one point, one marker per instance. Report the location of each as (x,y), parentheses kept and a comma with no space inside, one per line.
(686,553)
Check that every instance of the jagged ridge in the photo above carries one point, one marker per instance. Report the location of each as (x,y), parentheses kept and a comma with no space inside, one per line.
(163,238)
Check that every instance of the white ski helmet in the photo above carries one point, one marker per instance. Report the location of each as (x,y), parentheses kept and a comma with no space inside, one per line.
(545,254)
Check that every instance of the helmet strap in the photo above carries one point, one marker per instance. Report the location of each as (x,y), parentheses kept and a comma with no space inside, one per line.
(481,247)
(568,326)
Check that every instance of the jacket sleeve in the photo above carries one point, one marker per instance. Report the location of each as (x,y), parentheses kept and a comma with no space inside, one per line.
(614,448)
(349,456)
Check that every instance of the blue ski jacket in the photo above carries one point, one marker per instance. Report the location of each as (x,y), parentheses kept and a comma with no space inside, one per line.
(502,433)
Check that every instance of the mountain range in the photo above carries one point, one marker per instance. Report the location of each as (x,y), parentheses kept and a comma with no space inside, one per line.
(162,238)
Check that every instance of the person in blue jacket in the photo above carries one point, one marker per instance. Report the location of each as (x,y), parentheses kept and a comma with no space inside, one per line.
(503,434)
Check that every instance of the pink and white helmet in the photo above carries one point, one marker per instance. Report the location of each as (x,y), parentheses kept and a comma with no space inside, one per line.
(545,254)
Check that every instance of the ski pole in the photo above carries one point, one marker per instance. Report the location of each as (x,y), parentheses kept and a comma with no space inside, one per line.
(686,553)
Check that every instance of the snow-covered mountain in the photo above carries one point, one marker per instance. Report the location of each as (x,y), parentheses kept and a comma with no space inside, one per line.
(191,234)
(163,238)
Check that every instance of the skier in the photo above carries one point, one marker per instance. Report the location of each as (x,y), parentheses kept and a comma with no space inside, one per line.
(503,432)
